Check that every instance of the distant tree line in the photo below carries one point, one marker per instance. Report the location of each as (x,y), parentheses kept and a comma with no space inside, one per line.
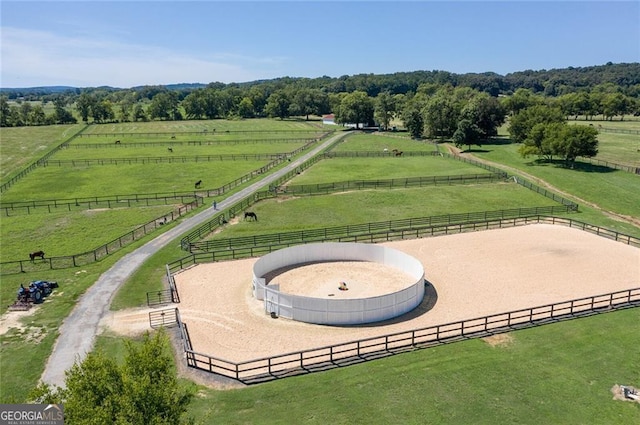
(611,90)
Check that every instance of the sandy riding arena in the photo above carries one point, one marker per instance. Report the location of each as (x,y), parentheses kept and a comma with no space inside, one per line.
(470,275)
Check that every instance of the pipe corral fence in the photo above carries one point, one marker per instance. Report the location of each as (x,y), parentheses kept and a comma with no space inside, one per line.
(325,311)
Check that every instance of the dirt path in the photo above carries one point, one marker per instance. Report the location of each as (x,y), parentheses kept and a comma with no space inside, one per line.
(616,216)
(79,329)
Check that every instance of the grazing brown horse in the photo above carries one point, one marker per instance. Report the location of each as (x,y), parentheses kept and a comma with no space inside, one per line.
(37,254)
(249,215)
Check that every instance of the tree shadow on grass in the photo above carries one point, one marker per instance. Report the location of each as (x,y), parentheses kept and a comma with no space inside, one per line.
(584,167)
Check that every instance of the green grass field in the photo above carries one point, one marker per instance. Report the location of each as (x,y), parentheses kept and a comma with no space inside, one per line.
(65,182)
(555,374)
(611,189)
(23,145)
(318,211)
(380,141)
(559,373)
(186,151)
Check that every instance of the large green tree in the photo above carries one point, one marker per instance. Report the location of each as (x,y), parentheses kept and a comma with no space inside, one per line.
(355,108)
(144,390)
(384,109)
(521,123)
(278,105)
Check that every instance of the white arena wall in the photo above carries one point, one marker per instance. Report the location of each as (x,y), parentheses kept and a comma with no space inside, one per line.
(338,311)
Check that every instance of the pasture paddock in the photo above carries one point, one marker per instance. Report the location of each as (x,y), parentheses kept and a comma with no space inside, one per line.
(15,351)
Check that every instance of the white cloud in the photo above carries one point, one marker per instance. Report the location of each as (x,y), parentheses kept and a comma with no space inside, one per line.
(38,58)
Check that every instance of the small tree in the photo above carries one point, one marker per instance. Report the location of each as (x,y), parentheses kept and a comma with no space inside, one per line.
(144,390)
(467,133)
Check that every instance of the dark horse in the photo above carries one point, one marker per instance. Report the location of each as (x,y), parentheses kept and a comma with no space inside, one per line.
(249,215)
(198,183)
(37,254)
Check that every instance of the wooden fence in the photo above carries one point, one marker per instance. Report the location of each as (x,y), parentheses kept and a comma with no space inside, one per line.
(97,254)
(339,355)
(384,230)
(231,250)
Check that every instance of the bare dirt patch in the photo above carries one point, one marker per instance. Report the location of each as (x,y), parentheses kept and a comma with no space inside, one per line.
(131,322)
(13,320)
(499,340)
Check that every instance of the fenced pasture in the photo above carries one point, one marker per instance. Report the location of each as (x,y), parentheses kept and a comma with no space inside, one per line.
(372,168)
(611,189)
(619,148)
(86,181)
(23,145)
(381,141)
(247,127)
(58,233)
(186,150)
(350,208)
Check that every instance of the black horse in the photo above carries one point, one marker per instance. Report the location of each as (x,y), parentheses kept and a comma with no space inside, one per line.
(249,215)
(198,183)
(37,254)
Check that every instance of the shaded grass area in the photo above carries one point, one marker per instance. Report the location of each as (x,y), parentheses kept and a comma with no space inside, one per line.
(295,213)
(560,373)
(122,179)
(22,146)
(344,169)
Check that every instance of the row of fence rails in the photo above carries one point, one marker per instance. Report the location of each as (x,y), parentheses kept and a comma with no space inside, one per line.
(178,143)
(378,154)
(628,168)
(164,159)
(39,162)
(596,230)
(78,260)
(476,163)
(546,193)
(333,233)
(228,251)
(331,187)
(80,204)
(164,296)
(618,130)
(518,180)
(218,220)
(322,358)
(163,318)
(191,133)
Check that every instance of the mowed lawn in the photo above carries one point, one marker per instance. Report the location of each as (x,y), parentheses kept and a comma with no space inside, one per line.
(366,206)
(68,182)
(613,190)
(178,153)
(246,126)
(619,141)
(383,168)
(378,142)
(561,373)
(22,146)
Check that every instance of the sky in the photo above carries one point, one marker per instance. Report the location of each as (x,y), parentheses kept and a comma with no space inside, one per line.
(130,43)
